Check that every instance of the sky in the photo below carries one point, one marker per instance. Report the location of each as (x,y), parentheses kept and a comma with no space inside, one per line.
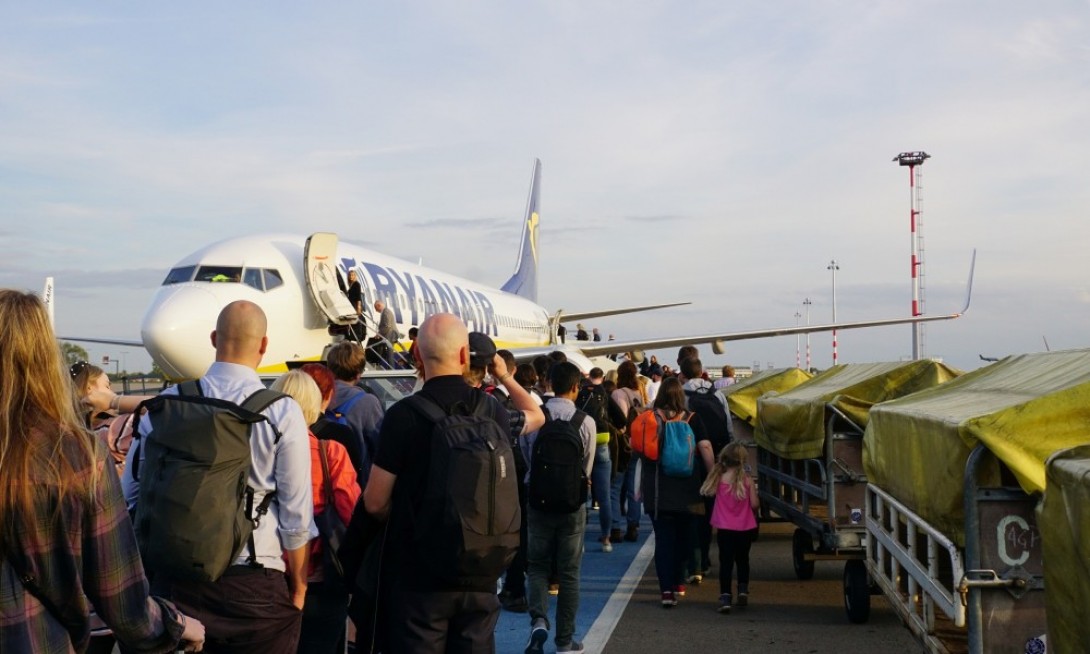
(718,153)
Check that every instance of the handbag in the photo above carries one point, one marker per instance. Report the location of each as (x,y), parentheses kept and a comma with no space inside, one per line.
(331,528)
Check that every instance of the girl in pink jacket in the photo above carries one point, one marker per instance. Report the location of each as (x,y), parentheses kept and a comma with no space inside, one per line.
(733,516)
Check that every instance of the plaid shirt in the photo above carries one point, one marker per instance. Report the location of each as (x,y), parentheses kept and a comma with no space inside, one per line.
(87,559)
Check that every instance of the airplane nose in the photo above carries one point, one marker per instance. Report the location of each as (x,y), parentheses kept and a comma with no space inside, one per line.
(178,318)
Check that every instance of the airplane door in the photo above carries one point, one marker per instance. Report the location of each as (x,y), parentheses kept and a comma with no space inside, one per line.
(320,269)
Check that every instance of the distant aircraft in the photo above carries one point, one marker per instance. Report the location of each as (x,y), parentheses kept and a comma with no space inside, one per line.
(989,359)
(297,280)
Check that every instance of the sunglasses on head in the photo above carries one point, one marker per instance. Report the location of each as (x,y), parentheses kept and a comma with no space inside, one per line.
(76,368)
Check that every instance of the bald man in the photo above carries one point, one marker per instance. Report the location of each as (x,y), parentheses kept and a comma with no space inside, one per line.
(228,607)
(429,613)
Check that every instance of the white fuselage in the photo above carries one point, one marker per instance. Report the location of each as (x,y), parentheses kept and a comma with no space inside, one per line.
(268,270)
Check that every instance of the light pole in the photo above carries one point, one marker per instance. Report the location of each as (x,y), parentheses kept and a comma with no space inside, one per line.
(806,303)
(832,267)
(798,357)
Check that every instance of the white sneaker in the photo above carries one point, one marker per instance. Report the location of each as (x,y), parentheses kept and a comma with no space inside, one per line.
(538,635)
(606,545)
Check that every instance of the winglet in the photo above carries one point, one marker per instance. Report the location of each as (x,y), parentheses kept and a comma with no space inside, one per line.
(969,286)
(524,281)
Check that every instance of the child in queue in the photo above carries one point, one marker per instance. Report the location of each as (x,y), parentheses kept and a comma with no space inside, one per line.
(733,516)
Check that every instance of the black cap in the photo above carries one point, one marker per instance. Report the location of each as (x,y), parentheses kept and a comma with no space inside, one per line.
(482,350)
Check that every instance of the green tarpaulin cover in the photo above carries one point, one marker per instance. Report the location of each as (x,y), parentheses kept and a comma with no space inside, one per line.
(742,396)
(1022,408)
(1064,519)
(792,424)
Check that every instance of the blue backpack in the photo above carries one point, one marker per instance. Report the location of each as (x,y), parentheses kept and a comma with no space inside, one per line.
(338,415)
(677,447)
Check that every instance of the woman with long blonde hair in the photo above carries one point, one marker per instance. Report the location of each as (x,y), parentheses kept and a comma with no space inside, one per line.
(66,543)
(733,516)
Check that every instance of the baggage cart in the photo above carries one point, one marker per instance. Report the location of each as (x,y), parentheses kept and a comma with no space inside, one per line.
(823,497)
(984,598)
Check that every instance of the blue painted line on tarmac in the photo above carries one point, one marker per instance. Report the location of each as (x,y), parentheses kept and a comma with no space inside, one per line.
(606,583)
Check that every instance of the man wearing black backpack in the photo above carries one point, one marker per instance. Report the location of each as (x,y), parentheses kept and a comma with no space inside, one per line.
(437,576)
(560,456)
(248,606)
(708,403)
(351,405)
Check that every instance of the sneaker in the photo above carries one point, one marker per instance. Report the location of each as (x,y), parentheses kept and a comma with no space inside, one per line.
(743,599)
(606,546)
(694,579)
(554,589)
(679,590)
(573,646)
(539,633)
(633,534)
(513,603)
(668,599)
(724,603)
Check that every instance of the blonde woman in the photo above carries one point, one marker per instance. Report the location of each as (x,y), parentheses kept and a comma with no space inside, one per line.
(66,544)
(326,605)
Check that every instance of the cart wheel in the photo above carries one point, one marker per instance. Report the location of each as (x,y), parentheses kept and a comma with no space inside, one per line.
(856,591)
(801,545)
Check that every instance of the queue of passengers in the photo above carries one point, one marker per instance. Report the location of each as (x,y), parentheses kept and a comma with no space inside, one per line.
(344,511)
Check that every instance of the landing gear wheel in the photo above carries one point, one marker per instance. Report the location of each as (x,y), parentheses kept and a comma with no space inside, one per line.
(801,545)
(856,591)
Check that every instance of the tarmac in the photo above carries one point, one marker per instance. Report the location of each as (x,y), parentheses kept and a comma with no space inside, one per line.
(620,610)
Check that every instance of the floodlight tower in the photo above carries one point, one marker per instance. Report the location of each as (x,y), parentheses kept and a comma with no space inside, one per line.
(798,356)
(915,186)
(833,267)
(806,303)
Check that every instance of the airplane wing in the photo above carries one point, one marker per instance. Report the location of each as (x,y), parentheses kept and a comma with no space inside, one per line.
(600,348)
(106,341)
(587,315)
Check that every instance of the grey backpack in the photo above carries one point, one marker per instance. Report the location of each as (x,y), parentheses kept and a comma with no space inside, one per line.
(196,510)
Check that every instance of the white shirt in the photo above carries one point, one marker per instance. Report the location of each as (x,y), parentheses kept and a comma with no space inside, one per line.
(282,466)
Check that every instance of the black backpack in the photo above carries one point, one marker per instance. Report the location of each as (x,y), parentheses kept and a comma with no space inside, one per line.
(705,403)
(196,510)
(592,400)
(558,478)
(467,524)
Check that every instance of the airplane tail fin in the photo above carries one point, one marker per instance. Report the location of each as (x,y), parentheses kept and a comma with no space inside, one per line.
(524,281)
(47,298)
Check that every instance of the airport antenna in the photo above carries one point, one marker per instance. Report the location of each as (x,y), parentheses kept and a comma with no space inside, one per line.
(915,187)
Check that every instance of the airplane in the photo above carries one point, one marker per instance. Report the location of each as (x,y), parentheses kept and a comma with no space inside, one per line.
(298,282)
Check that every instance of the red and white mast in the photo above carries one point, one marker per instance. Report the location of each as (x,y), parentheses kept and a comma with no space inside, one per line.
(915,186)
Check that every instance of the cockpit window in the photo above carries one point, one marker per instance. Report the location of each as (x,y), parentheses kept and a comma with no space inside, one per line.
(252,277)
(179,275)
(219,274)
(272,279)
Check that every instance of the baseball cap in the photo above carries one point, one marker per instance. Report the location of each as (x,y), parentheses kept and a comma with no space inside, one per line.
(481,350)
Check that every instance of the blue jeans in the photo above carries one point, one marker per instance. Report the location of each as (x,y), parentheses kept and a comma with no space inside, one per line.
(673,530)
(556,542)
(600,487)
(624,482)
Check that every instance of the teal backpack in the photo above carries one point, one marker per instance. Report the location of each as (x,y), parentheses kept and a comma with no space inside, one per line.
(677,447)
